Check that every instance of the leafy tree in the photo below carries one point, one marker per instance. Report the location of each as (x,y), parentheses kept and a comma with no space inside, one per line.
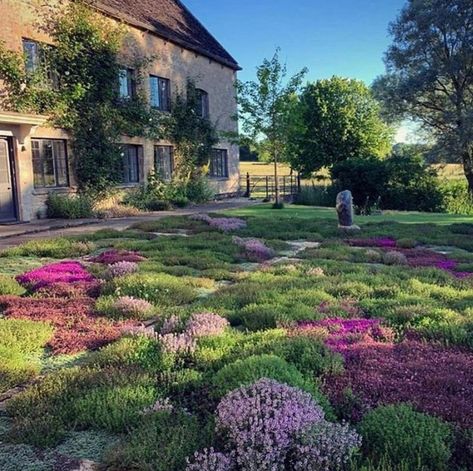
(430,73)
(264,105)
(334,120)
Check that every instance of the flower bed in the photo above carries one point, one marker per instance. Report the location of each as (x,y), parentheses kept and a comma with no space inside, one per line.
(434,379)
(342,334)
(382,242)
(63,272)
(76,327)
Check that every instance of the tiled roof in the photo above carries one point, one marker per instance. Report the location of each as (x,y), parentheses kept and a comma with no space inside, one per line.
(171,20)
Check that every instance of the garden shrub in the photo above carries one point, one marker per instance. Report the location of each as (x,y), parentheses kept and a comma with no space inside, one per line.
(10,286)
(44,411)
(136,350)
(53,248)
(262,419)
(113,408)
(69,206)
(247,371)
(309,355)
(159,288)
(125,307)
(402,435)
(204,324)
(161,442)
(394,258)
(210,460)
(325,446)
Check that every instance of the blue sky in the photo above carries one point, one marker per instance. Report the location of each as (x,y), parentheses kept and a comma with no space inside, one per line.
(331,37)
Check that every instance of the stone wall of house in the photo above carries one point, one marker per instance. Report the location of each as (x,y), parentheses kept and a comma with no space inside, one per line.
(170,61)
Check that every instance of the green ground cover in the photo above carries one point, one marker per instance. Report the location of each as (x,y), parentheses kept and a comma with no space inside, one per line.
(373,331)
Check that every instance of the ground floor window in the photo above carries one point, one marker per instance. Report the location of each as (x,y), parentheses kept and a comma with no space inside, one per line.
(219,163)
(131,163)
(50,167)
(164,161)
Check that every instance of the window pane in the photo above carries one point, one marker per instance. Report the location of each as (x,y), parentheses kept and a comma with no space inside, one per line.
(31,51)
(131,167)
(219,163)
(48,164)
(62,174)
(124,93)
(163,160)
(154,91)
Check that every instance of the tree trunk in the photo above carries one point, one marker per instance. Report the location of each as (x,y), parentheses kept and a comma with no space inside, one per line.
(276,179)
(467,157)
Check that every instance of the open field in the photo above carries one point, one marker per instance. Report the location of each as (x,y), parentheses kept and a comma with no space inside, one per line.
(448,171)
(140,348)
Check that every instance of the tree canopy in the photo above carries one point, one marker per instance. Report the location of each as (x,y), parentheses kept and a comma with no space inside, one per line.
(334,120)
(430,73)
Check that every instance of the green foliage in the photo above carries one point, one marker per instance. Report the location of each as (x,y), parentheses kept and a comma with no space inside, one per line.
(130,351)
(399,182)
(161,442)
(21,343)
(59,247)
(193,136)
(9,285)
(113,408)
(336,119)
(265,108)
(69,207)
(457,200)
(45,410)
(404,436)
(247,371)
(429,75)
(160,289)
(317,195)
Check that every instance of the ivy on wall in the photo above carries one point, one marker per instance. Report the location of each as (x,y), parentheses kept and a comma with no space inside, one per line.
(82,97)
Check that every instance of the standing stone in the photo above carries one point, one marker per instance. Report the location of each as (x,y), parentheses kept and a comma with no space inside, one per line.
(345,211)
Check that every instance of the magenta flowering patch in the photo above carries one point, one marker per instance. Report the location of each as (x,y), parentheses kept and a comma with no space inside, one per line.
(343,333)
(62,272)
(435,379)
(382,242)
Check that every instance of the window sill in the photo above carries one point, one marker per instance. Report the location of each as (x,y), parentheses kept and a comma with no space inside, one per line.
(124,186)
(219,179)
(53,189)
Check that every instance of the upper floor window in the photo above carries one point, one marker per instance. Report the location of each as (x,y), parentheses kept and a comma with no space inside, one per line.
(164,162)
(50,166)
(202,103)
(131,163)
(36,60)
(160,93)
(127,83)
(219,163)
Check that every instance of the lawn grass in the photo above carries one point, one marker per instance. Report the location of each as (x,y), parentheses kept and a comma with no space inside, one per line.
(167,380)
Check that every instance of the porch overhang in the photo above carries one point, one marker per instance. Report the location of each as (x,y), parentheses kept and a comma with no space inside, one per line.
(10,117)
(24,123)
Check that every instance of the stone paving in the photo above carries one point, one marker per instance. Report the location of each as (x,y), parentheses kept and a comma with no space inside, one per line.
(15,234)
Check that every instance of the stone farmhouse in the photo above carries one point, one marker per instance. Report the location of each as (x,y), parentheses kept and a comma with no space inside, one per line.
(35,158)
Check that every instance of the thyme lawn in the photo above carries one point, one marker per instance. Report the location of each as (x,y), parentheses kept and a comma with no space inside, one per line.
(256,339)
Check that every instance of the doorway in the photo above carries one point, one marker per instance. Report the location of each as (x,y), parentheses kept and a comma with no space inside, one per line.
(7,186)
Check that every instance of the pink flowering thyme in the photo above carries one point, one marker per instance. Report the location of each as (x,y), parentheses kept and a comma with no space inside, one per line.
(210,460)
(61,272)
(221,224)
(120,269)
(132,307)
(262,420)
(206,323)
(254,250)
